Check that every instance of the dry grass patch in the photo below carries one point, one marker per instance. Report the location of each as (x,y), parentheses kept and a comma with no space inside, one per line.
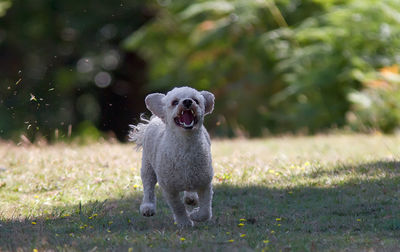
(292,193)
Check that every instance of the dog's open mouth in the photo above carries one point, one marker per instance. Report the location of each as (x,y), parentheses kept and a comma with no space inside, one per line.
(186,119)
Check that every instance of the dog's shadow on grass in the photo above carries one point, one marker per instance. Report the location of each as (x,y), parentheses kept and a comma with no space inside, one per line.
(357,206)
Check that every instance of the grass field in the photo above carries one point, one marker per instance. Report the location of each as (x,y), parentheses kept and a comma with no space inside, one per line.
(338,192)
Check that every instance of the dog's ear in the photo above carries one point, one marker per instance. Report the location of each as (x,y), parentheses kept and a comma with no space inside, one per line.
(154,103)
(209,101)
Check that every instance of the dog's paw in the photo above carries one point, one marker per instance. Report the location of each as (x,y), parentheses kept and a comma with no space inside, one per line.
(199,216)
(191,198)
(148,209)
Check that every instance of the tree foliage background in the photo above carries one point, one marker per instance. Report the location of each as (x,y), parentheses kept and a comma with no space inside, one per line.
(275,66)
(62,67)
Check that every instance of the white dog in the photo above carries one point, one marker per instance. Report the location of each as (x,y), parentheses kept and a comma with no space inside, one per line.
(176,153)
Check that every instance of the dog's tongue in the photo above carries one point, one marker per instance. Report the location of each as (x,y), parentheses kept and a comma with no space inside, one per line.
(187,117)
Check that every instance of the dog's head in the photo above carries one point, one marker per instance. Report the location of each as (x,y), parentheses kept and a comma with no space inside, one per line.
(182,108)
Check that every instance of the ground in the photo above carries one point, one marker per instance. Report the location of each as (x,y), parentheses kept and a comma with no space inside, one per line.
(335,192)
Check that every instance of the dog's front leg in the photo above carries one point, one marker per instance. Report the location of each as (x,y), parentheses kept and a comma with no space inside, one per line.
(149,180)
(204,211)
(178,209)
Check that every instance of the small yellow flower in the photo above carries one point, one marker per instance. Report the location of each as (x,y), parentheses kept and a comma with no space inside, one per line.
(36,197)
(358,219)
(279,225)
(71,234)
(231,240)
(272,232)
(266,241)
(242,219)
(34,223)
(66,215)
(109,231)
(240,224)
(228,233)
(278,219)
(242,235)
(307,163)
(35,250)
(135,186)
(81,227)
(93,215)
(110,222)
(130,249)
(182,239)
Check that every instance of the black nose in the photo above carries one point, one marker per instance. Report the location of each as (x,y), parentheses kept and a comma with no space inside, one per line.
(187,103)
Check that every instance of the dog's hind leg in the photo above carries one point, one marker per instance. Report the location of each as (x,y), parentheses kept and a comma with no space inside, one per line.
(203,212)
(149,180)
(190,198)
(180,215)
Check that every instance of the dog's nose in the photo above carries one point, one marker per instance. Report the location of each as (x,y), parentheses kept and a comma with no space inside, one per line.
(187,103)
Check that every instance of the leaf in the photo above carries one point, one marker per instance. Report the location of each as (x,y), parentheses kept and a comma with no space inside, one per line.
(218,7)
(360,99)
(135,39)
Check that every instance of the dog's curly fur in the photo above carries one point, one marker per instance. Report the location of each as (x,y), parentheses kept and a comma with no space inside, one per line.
(176,153)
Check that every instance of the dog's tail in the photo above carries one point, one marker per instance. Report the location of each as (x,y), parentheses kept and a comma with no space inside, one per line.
(136,134)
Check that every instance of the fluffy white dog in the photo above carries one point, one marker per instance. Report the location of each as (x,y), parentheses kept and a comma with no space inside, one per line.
(176,153)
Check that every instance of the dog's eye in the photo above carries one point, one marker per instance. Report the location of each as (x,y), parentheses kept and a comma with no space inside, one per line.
(196,101)
(174,102)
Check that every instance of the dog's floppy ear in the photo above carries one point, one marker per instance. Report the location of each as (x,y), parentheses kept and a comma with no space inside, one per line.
(154,103)
(209,101)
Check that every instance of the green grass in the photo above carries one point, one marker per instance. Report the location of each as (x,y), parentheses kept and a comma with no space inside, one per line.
(339,192)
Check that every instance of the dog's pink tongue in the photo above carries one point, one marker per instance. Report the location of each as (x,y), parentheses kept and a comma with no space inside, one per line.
(187,117)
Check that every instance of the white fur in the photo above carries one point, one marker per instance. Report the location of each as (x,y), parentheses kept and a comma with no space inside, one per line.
(178,159)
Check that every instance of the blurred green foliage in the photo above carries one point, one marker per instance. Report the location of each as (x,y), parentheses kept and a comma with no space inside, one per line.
(377,105)
(275,66)
(57,59)
(4,5)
